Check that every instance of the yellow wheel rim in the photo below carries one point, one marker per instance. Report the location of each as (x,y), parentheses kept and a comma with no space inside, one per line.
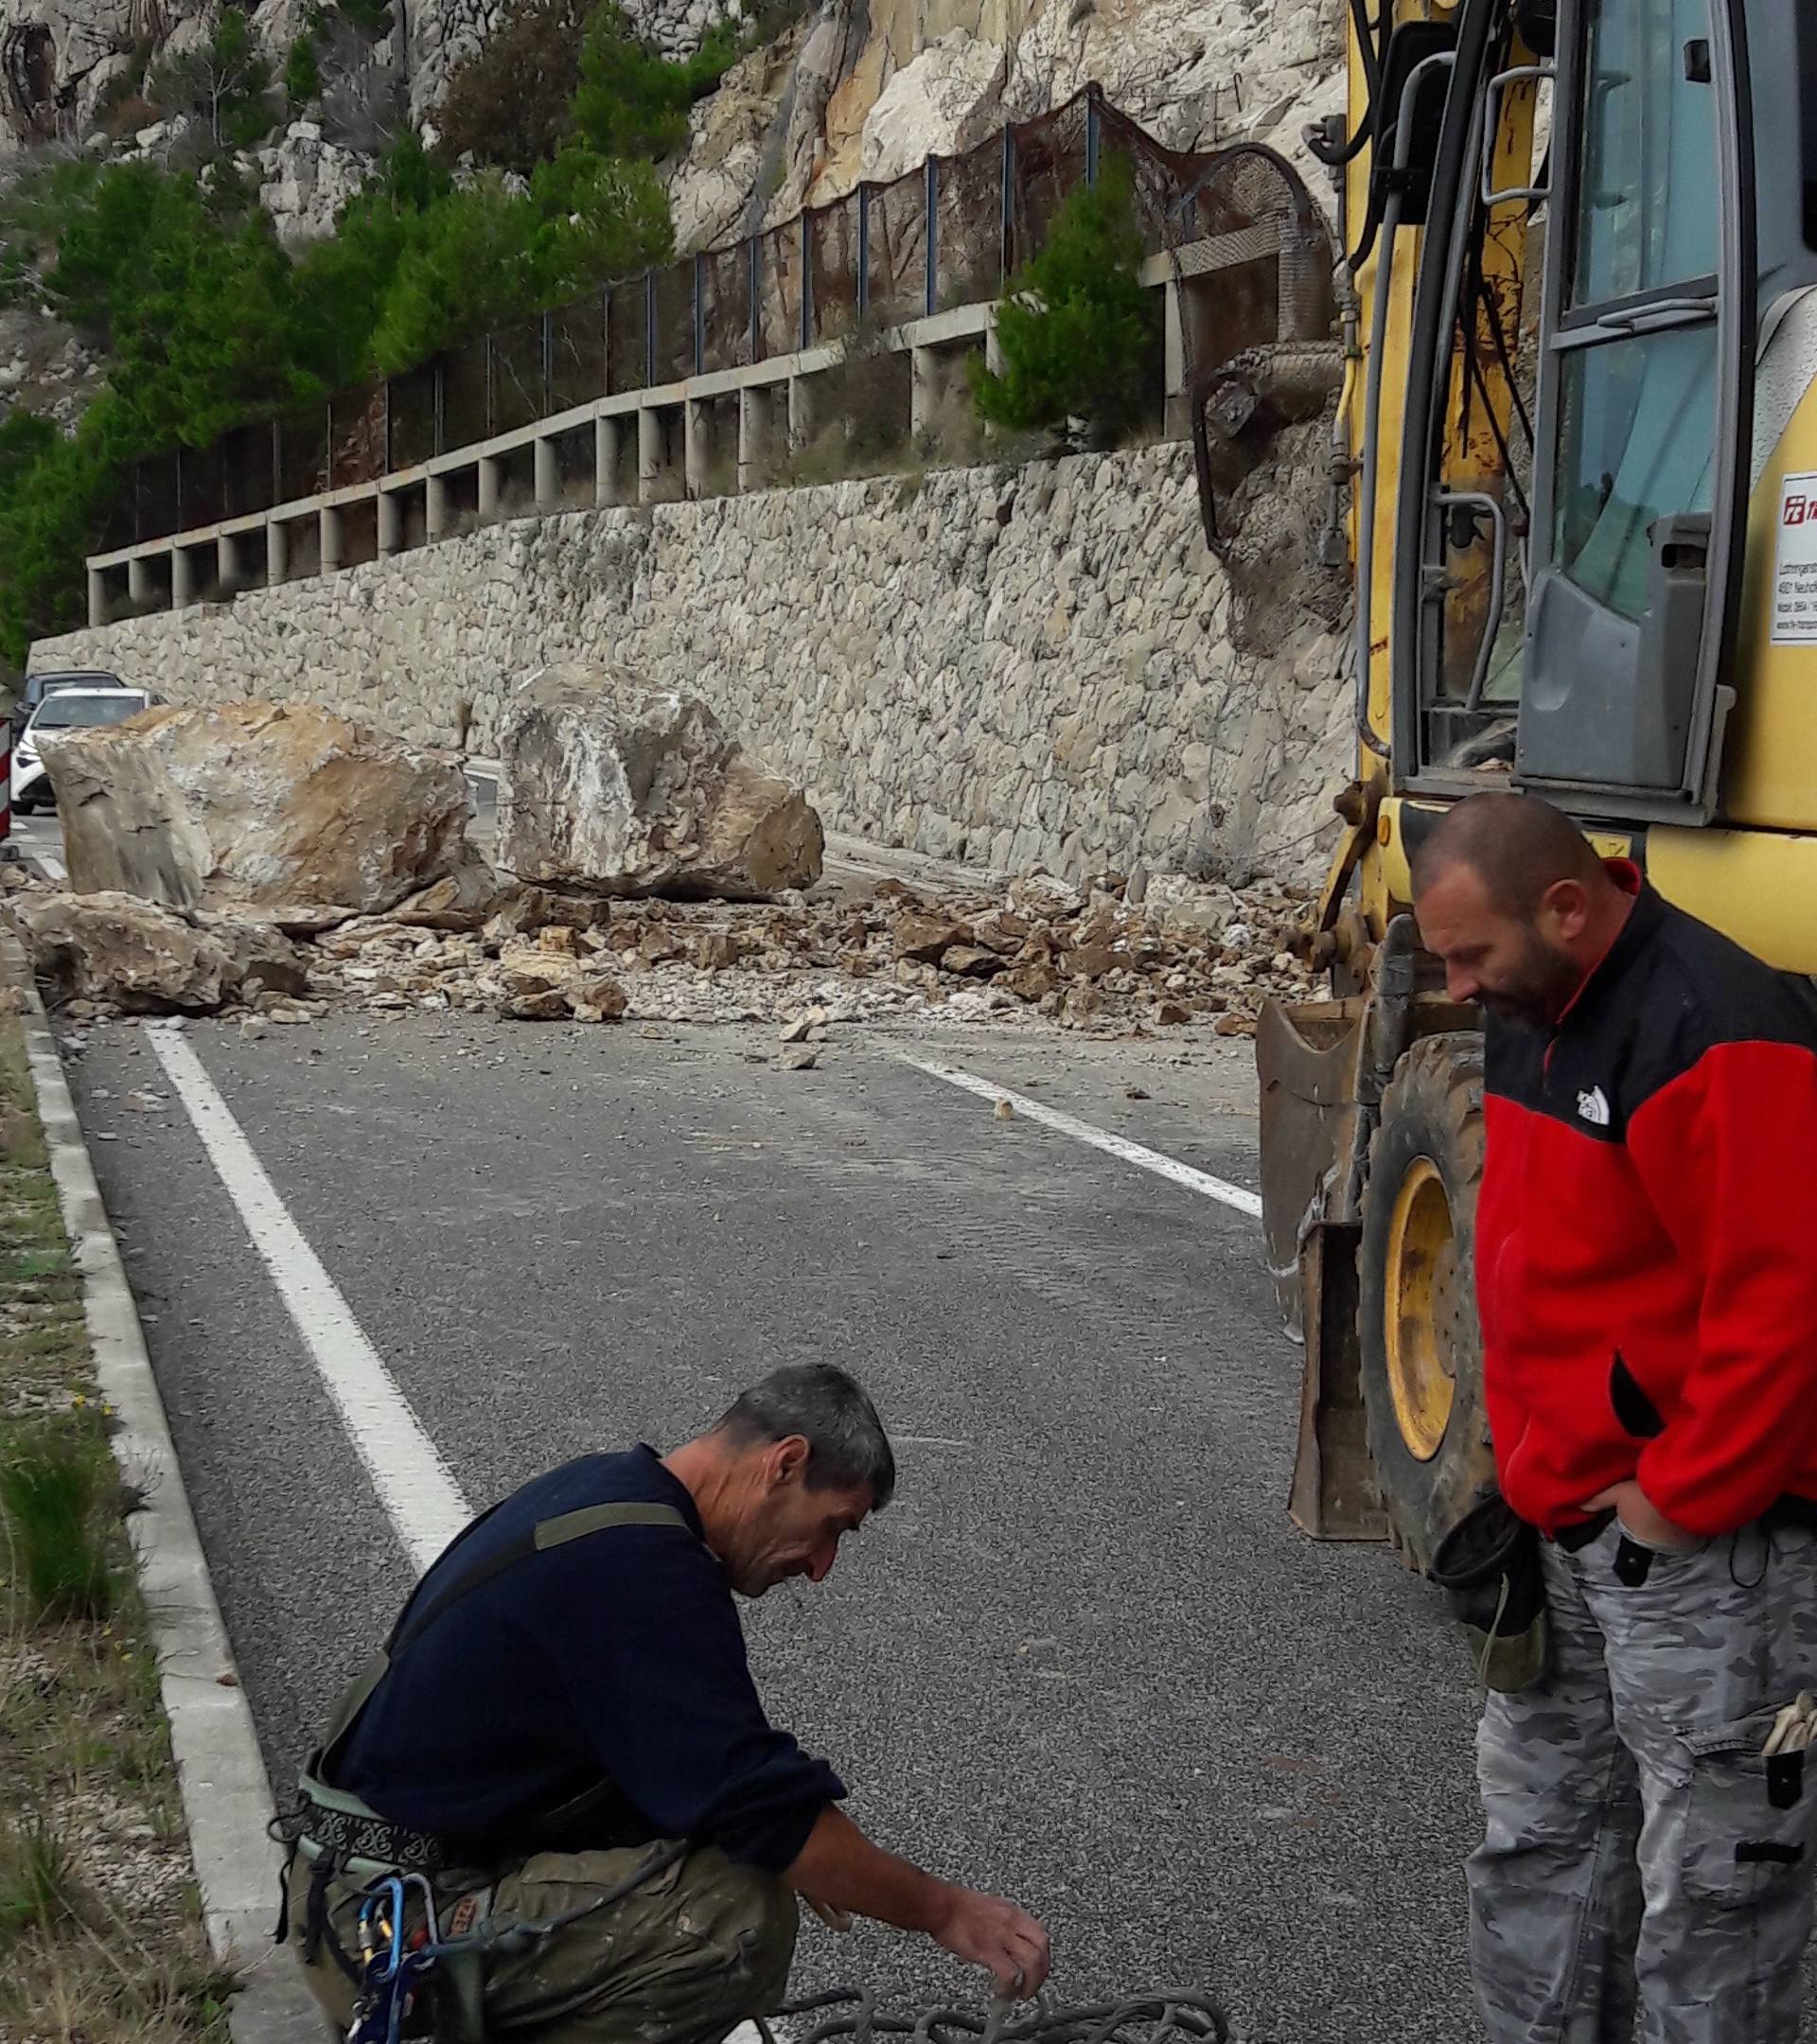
(1419,1306)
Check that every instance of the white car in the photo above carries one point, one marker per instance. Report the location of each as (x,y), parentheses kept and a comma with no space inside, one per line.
(67,710)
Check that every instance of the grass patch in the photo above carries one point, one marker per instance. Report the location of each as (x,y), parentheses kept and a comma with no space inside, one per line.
(100,1924)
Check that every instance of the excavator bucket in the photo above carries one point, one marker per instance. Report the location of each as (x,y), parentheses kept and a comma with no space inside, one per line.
(1306,1065)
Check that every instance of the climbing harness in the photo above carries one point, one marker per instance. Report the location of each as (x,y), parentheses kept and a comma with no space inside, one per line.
(338,1835)
(446,1975)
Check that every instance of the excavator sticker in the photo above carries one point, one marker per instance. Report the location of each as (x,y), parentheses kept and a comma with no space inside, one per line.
(1794,568)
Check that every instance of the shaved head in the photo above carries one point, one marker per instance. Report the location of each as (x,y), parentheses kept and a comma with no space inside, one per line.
(1509,894)
(1517,845)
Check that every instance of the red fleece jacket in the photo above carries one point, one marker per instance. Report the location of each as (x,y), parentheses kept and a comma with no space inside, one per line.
(1646,1234)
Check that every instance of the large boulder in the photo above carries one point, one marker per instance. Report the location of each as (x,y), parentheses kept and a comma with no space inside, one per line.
(607,787)
(282,812)
(150,960)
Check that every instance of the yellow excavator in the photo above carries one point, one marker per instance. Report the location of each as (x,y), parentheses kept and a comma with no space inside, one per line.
(1579,428)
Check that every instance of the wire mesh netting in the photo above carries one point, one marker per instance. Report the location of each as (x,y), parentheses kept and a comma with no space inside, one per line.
(1159,177)
(414,400)
(832,258)
(968,228)
(1252,255)
(1051,160)
(246,479)
(198,486)
(119,525)
(1248,247)
(520,394)
(896,287)
(674,322)
(577,352)
(466,393)
(628,366)
(303,453)
(725,307)
(357,436)
(779,291)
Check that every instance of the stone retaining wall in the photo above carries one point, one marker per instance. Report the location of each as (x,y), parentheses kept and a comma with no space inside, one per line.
(1003,666)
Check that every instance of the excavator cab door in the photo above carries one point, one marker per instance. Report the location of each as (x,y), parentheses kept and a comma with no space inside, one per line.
(1575,453)
(1645,377)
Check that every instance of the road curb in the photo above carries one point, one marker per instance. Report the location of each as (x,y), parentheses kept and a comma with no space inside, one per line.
(226,1795)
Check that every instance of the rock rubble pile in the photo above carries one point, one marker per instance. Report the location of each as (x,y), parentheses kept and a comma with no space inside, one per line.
(1087,958)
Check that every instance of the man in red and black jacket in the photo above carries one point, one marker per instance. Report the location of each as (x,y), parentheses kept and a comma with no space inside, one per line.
(1647,1278)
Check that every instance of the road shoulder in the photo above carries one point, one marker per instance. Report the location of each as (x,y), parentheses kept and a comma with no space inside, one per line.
(225,1794)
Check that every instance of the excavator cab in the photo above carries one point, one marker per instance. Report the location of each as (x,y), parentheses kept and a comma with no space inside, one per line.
(1582,334)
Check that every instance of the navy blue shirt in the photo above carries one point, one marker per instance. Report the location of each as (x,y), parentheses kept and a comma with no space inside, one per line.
(618,1653)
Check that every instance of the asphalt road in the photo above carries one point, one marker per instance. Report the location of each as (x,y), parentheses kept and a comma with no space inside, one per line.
(1085,1659)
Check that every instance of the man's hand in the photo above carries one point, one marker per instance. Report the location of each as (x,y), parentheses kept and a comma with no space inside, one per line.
(840,1869)
(1643,1519)
(992,1932)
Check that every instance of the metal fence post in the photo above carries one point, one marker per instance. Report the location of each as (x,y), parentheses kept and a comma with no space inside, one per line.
(753,285)
(547,337)
(491,386)
(931,199)
(649,329)
(1091,134)
(805,338)
(438,405)
(700,313)
(864,251)
(384,428)
(1006,210)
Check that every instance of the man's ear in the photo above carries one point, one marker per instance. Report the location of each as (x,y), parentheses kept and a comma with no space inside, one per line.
(788,1460)
(1566,904)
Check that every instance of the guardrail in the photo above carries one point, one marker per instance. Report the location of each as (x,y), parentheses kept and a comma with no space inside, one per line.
(685,381)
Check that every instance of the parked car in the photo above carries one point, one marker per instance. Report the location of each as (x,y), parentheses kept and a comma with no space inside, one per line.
(35,688)
(67,709)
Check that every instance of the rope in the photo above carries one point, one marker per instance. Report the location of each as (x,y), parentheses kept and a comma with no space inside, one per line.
(1170,2017)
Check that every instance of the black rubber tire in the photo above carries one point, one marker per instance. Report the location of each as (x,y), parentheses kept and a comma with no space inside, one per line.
(1432,1108)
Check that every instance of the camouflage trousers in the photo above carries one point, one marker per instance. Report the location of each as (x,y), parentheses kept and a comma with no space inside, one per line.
(683,1959)
(1639,1855)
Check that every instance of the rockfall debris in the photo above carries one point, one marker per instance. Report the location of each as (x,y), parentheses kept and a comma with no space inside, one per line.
(278,813)
(618,789)
(137,957)
(1086,957)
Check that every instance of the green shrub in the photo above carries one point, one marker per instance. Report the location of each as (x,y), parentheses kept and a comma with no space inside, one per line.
(56,1487)
(600,221)
(303,64)
(633,102)
(339,288)
(49,513)
(482,255)
(1075,328)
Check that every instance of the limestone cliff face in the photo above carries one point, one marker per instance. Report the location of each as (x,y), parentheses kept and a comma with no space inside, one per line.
(868,88)
(854,89)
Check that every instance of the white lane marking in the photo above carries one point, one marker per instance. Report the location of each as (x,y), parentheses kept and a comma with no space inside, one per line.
(1162,1166)
(414,1483)
(52,865)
